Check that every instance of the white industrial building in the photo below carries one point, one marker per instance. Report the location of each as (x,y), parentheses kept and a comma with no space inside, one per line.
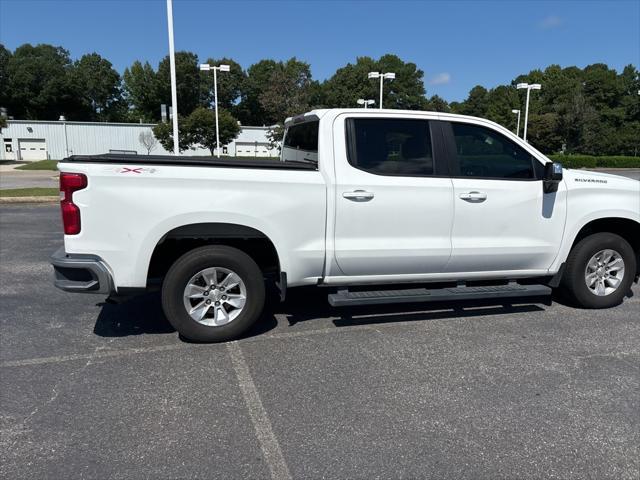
(31,140)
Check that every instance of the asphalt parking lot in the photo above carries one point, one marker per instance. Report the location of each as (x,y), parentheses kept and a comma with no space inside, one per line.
(522,390)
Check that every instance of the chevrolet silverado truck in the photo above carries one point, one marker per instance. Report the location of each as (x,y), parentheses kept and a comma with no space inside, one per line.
(379,206)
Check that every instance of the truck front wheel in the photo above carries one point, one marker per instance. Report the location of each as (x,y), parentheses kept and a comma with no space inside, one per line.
(599,271)
(213,293)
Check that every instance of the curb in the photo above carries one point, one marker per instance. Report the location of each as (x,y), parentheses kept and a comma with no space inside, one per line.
(29,199)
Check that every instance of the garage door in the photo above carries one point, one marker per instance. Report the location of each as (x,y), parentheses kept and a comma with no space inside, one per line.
(245,150)
(32,149)
(252,150)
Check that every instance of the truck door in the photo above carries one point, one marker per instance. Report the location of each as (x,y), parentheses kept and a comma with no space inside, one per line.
(504,221)
(394,199)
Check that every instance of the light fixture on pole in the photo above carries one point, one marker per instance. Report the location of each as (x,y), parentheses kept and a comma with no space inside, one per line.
(529,87)
(382,77)
(205,67)
(174,88)
(365,103)
(518,125)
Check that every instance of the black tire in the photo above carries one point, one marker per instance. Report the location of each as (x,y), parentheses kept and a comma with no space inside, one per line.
(573,285)
(197,260)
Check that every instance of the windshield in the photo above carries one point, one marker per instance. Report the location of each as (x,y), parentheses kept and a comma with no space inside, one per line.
(301,143)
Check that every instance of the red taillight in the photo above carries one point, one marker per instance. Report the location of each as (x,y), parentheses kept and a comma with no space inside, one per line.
(69,183)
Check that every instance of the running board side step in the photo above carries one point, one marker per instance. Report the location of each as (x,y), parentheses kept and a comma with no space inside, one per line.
(344,298)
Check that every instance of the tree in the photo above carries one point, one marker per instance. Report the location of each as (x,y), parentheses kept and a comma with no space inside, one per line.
(350,83)
(250,111)
(476,103)
(5,56)
(163,131)
(437,104)
(38,83)
(275,136)
(499,103)
(98,87)
(593,110)
(288,91)
(3,122)
(187,83)
(201,128)
(141,92)
(148,141)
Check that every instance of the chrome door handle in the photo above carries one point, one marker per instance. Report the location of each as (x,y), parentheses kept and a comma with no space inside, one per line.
(358,195)
(473,196)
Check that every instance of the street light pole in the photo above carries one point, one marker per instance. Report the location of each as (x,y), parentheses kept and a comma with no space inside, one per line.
(365,103)
(529,87)
(174,89)
(215,103)
(518,125)
(382,77)
(223,68)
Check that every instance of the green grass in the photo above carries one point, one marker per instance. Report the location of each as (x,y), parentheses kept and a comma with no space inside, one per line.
(30,192)
(41,165)
(589,161)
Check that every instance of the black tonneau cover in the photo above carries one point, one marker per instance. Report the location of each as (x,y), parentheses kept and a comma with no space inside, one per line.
(196,161)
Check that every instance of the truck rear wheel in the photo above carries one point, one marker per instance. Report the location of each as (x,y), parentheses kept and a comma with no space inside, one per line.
(213,294)
(599,271)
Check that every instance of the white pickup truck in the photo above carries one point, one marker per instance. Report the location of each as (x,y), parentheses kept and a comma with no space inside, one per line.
(361,201)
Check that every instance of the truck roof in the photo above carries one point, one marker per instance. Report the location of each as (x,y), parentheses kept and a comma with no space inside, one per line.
(319,113)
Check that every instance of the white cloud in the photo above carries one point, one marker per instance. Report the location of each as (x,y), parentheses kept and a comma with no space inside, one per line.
(441,79)
(549,22)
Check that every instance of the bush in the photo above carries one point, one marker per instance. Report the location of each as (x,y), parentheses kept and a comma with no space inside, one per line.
(589,161)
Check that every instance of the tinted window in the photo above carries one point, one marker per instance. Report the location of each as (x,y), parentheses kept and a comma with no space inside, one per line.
(483,152)
(390,146)
(301,143)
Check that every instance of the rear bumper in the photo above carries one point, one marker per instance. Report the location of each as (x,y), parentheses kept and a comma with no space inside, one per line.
(81,273)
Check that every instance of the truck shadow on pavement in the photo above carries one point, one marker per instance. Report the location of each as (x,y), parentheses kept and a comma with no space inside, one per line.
(143,314)
(137,316)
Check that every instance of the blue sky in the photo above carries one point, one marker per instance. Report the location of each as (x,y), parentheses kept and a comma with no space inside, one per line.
(457,43)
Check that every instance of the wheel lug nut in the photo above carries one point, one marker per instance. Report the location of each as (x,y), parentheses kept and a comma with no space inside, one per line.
(224,297)
(217,303)
(206,293)
(208,302)
(221,289)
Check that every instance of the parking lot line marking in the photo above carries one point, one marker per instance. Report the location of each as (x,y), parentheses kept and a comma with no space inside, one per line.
(267,439)
(89,356)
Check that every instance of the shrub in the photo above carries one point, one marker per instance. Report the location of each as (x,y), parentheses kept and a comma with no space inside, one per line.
(589,161)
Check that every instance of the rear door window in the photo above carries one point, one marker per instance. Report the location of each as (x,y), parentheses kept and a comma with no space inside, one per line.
(301,143)
(388,146)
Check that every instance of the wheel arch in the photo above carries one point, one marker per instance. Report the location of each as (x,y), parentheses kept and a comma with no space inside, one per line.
(627,228)
(184,238)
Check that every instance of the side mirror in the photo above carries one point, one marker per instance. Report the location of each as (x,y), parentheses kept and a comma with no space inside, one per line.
(552,176)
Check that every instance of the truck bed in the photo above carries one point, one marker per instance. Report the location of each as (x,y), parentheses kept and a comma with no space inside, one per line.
(190,160)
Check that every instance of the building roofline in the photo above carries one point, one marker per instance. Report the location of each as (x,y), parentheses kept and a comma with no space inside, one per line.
(129,124)
(70,122)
